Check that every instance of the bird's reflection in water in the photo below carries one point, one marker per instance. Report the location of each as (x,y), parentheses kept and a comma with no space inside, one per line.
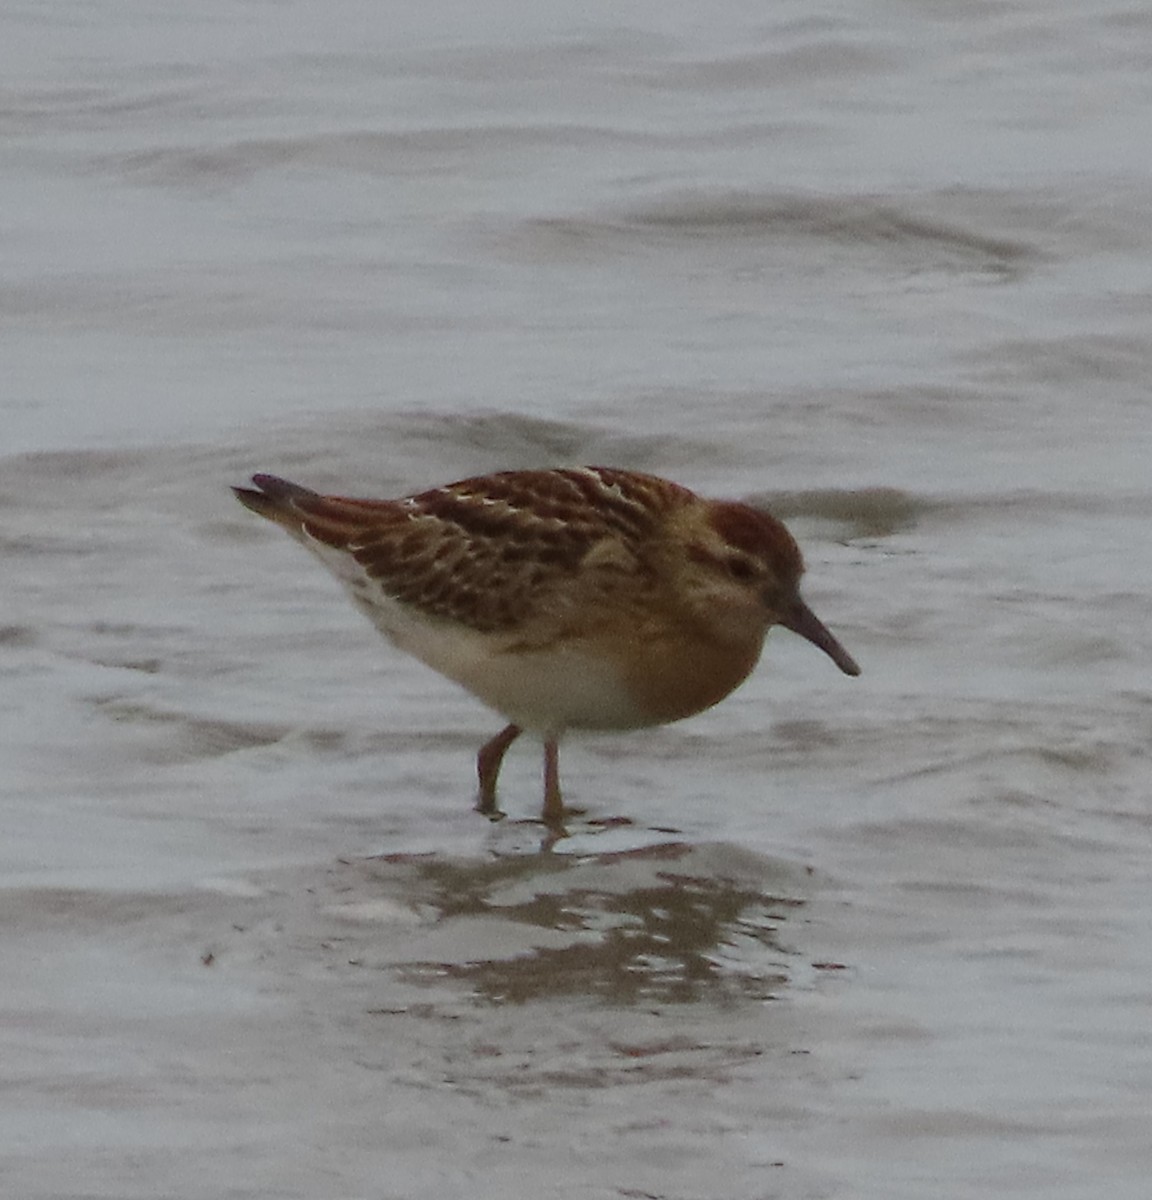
(666,924)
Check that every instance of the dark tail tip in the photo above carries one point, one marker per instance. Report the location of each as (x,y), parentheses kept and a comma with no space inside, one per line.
(275,497)
(276,488)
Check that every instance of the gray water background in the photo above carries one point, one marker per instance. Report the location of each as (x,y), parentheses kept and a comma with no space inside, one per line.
(886,267)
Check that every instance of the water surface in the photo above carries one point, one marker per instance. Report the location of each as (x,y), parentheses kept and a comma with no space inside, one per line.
(885,270)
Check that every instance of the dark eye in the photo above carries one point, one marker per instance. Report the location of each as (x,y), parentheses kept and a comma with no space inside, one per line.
(741,568)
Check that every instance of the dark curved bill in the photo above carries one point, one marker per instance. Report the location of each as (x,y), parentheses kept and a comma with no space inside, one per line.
(807,624)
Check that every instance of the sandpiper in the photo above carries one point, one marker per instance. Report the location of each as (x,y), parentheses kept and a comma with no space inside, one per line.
(573,598)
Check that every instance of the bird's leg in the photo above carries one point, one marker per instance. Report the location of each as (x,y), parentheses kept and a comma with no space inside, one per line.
(553,806)
(488,768)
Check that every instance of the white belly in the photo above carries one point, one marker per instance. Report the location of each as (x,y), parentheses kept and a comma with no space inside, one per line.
(546,691)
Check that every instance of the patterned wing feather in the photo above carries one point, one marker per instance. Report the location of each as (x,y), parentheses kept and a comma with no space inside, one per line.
(485,552)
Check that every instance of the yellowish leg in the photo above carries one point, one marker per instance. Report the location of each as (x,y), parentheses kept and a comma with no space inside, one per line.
(488,768)
(553,806)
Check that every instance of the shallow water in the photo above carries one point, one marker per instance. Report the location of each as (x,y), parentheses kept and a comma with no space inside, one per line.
(885,270)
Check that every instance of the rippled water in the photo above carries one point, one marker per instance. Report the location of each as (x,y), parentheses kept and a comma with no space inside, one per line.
(884,269)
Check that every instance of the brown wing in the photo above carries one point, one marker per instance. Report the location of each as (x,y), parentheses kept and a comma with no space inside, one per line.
(486,552)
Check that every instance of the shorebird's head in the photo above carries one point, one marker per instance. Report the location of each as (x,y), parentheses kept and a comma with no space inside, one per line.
(744,572)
